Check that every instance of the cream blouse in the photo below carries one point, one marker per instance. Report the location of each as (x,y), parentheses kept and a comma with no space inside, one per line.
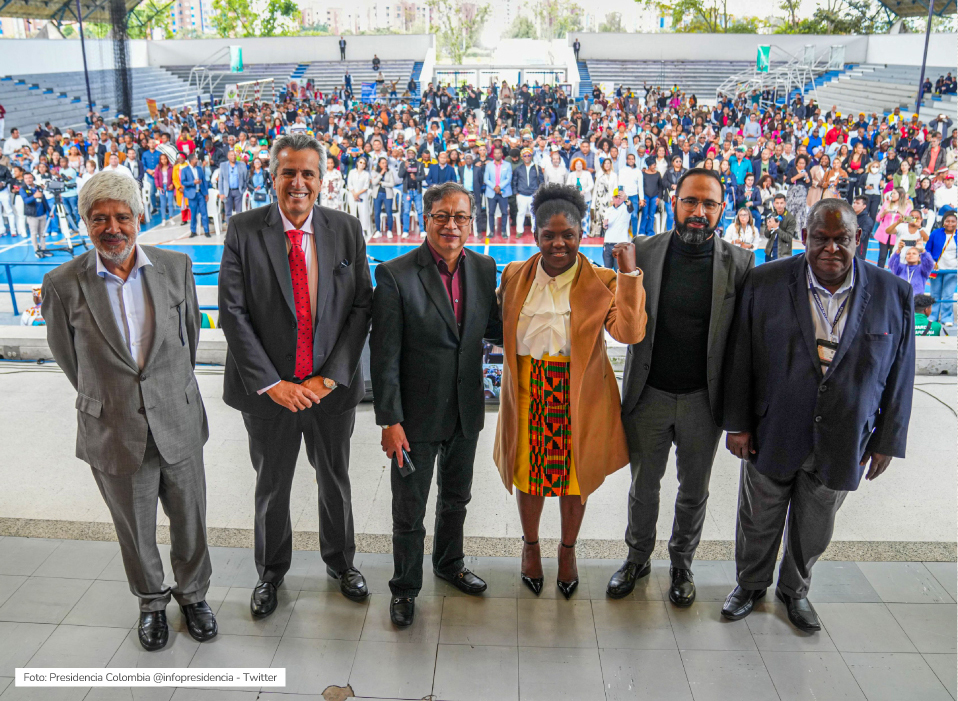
(543,327)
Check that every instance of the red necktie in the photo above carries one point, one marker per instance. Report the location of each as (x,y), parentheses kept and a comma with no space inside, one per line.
(304,317)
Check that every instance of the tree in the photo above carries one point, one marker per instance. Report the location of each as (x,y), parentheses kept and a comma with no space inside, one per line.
(148,16)
(791,8)
(271,23)
(613,23)
(457,25)
(521,28)
(234,18)
(839,17)
(557,18)
(745,25)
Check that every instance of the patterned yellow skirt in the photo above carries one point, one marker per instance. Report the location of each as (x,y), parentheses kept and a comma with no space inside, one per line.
(544,464)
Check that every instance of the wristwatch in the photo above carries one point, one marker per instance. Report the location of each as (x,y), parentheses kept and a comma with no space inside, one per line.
(385,426)
(329,384)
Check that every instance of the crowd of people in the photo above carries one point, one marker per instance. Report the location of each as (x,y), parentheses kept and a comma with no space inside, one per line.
(624,152)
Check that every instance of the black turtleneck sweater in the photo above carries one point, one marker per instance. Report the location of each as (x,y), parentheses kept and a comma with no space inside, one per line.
(680,345)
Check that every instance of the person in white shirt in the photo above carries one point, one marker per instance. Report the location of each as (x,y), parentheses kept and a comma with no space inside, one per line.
(14,143)
(115,167)
(616,221)
(357,187)
(946,195)
(581,180)
(555,171)
(632,182)
(742,231)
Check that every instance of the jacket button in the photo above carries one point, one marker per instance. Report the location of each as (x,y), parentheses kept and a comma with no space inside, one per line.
(823,388)
(141,410)
(289,357)
(142,378)
(818,419)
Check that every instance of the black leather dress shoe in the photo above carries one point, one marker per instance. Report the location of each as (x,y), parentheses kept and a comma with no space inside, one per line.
(200,621)
(800,613)
(351,583)
(682,591)
(465,581)
(263,601)
(153,631)
(402,609)
(623,581)
(740,602)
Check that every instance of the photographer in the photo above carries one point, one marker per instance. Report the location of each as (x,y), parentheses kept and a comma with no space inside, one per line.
(68,176)
(35,209)
(779,228)
(414,174)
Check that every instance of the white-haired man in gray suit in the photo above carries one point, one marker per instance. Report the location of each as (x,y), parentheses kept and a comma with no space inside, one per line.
(123,324)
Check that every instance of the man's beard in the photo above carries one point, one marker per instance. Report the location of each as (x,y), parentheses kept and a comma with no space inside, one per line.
(116,256)
(694,236)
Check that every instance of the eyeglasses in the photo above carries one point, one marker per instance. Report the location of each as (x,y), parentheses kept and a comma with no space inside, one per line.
(690,204)
(442,218)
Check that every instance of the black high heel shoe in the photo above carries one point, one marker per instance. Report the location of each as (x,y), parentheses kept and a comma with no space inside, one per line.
(567,588)
(534,583)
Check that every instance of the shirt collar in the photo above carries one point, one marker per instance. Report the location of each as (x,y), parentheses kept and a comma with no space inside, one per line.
(306,228)
(543,278)
(440,261)
(141,261)
(847,285)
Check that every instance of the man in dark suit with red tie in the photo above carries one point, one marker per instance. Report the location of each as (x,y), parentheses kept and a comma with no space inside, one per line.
(295,297)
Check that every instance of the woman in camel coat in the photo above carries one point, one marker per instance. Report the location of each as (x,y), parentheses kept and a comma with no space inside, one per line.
(560,430)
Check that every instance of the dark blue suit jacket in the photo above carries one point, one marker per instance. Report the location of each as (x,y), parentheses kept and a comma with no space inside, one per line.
(191,186)
(774,386)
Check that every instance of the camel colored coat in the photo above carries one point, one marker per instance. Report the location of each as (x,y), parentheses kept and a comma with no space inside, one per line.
(598,303)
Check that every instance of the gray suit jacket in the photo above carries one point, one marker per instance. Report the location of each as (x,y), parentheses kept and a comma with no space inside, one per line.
(117,403)
(729,266)
(223,185)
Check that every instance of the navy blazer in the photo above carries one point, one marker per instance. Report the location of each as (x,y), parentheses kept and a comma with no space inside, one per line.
(191,186)
(774,386)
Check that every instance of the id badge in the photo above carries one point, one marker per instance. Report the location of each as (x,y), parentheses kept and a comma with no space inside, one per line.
(826,352)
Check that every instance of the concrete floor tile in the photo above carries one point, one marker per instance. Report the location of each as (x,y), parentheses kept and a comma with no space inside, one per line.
(19,642)
(905,583)
(106,604)
(637,675)
(38,693)
(327,615)
(394,670)
(556,623)
(840,582)
(945,669)
(78,559)
(947,575)
(639,625)
(501,575)
(377,568)
(863,628)
(236,651)
(4,683)
(308,571)
(895,676)
(479,621)
(179,652)
(771,630)
(550,571)
(701,627)
(931,627)
(234,616)
(313,665)
(79,646)
(43,600)
(233,567)
(135,693)
(22,556)
(712,582)
(718,675)
(469,672)
(424,630)
(559,674)
(9,583)
(811,676)
(194,694)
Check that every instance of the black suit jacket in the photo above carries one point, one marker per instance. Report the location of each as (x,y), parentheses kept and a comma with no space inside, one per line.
(729,265)
(258,316)
(426,375)
(774,386)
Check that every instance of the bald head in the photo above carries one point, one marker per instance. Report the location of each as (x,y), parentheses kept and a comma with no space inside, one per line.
(832,205)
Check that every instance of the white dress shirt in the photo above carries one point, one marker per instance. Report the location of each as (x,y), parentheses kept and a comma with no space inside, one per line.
(544,320)
(312,267)
(619,219)
(132,306)
(831,303)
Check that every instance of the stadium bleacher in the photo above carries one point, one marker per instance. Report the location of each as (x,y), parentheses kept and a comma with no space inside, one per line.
(60,98)
(700,78)
(880,88)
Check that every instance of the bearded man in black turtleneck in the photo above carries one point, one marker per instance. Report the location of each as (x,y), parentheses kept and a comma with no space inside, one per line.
(673,378)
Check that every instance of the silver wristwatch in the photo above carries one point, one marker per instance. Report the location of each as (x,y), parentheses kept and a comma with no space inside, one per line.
(329,384)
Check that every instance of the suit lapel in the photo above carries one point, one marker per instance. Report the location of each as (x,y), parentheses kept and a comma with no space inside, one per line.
(325,249)
(94,290)
(520,285)
(591,299)
(154,278)
(803,311)
(658,250)
(432,281)
(471,289)
(721,270)
(274,239)
(856,310)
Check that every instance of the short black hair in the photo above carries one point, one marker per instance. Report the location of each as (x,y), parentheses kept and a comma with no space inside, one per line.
(948,214)
(861,198)
(779,196)
(553,199)
(923,301)
(708,172)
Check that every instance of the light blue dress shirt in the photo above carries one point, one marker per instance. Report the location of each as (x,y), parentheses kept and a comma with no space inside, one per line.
(132,306)
(234,177)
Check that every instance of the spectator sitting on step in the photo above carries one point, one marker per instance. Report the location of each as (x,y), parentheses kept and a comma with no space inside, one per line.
(376,62)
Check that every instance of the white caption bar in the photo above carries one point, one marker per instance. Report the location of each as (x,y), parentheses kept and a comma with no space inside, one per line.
(171,676)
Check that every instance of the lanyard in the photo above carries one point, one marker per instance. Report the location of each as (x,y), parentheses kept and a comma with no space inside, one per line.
(821,307)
